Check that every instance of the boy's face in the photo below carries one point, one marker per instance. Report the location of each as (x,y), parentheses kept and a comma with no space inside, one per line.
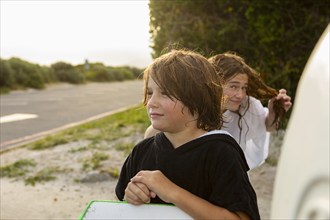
(165,114)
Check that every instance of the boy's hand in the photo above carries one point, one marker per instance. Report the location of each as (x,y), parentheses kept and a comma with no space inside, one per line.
(137,193)
(157,183)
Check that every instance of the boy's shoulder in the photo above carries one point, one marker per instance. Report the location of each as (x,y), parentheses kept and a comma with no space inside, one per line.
(219,135)
(145,143)
(150,143)
(226,144)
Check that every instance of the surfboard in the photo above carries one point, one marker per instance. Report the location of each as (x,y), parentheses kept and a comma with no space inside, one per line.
(108,209)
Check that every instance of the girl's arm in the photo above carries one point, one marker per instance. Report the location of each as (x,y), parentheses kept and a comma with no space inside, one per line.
(193,205)
(150,132)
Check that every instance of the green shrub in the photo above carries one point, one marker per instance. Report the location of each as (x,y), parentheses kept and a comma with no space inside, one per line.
(6,75)
(20,74)
(138,73)
(26,74)
(100,74)
(48,74)
(65,72)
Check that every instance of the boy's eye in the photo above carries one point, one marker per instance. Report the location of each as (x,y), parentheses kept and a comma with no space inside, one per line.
(164,93)
(149,94)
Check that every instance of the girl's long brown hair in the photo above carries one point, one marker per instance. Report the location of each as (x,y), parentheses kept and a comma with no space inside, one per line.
(228,65)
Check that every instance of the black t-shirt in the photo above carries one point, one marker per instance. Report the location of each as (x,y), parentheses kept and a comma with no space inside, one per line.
(212,167)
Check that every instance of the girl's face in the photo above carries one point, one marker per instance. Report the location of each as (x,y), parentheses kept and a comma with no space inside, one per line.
(165,114)
(235,91)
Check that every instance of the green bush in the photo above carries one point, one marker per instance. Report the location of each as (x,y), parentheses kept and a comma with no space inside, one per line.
(121,73)
(20,74)
(26,74)
(65,72)
(138,73)
(115,73)
(6,75)
(126,73)
(100,73)
(48,74)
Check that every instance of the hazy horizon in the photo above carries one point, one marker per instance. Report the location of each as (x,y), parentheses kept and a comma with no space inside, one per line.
(115,33)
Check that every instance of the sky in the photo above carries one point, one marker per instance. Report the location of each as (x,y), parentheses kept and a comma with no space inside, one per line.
(114,33)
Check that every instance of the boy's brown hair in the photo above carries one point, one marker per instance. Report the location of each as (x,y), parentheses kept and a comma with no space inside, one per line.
(190,78)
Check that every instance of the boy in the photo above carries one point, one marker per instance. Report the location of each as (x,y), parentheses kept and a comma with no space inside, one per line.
(190,163)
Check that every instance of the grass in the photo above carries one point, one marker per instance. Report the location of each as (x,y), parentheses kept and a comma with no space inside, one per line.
(17,169)
(110,128)
(98,134)
(94,162)
(49,142)
(44,175)
(125,147)
(112,171)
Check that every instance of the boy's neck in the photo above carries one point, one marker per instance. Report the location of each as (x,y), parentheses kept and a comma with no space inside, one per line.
(180,138)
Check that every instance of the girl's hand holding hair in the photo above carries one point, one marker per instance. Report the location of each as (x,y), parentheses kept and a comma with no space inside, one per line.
(285,101)
(283,97)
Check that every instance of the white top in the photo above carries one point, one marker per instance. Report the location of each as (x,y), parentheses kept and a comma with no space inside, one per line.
(253,137)
(216,132)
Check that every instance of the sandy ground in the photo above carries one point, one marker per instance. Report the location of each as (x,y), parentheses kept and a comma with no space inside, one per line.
(66,198)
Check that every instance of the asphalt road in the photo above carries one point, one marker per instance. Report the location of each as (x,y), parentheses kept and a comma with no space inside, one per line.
(62,106)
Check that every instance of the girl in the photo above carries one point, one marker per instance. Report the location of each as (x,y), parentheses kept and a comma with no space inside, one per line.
(245,117)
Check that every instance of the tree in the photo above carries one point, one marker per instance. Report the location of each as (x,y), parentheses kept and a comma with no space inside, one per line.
(6,78)
(26,74)
(275,37)
(65,72)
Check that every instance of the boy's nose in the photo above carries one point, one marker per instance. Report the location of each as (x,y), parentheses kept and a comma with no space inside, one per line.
(152,102)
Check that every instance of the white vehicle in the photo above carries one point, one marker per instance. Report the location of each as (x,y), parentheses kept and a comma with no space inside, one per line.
(301,189)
